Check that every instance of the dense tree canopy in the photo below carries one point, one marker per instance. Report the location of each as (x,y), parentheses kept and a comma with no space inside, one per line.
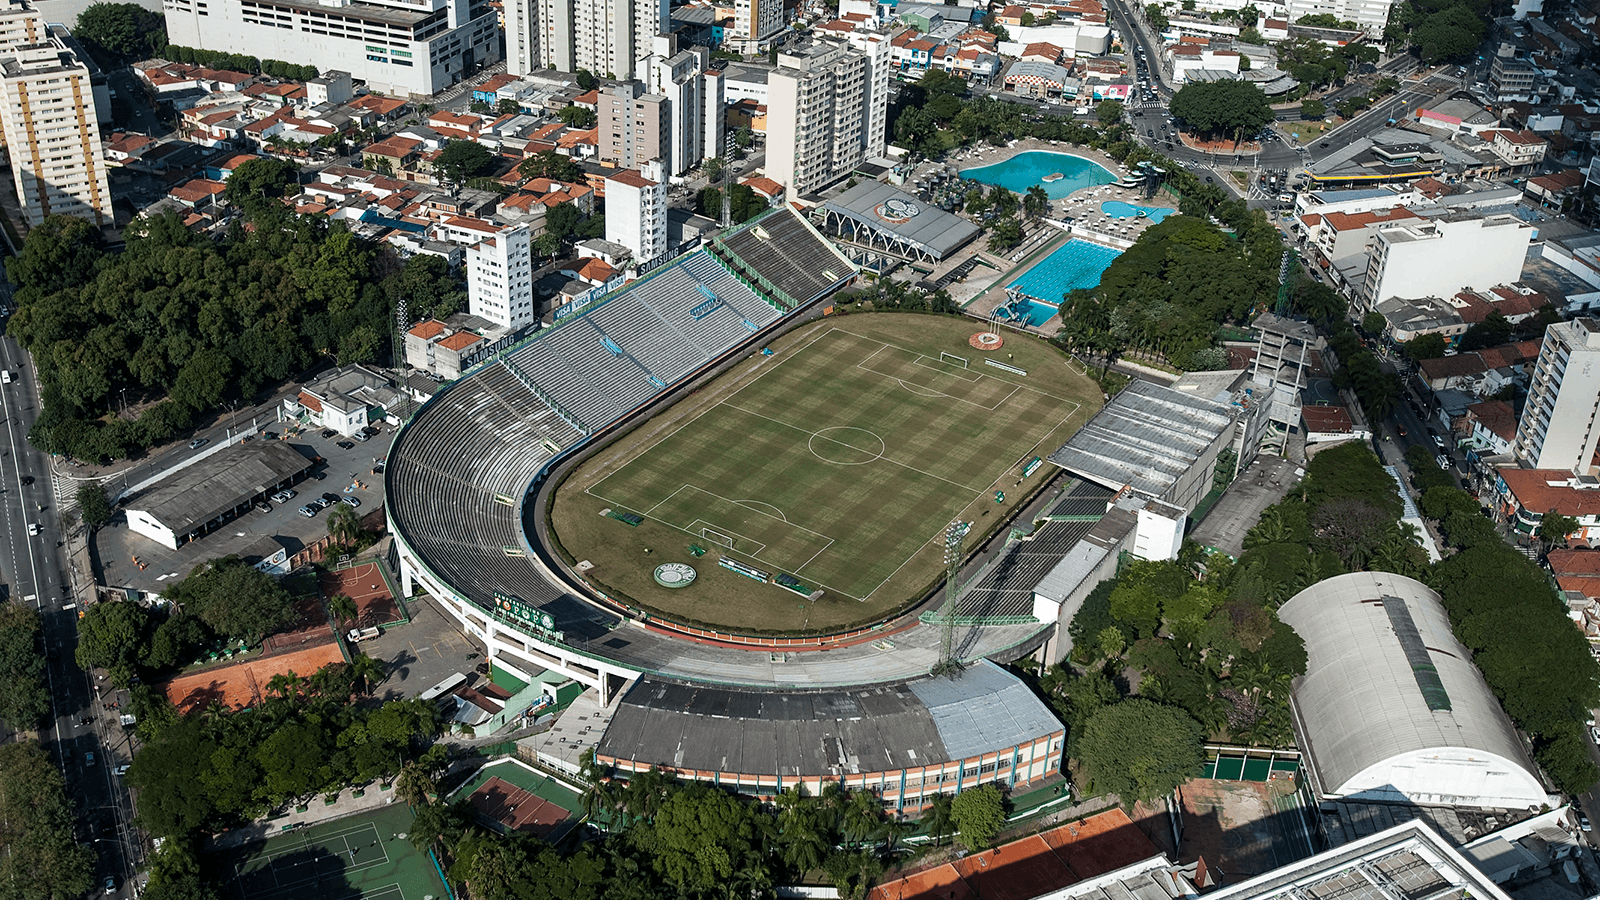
(1227,108)
(461,160)
(40,859)
(119,31)
(23,697)
(1441,29)
(1140,750)
(175,324)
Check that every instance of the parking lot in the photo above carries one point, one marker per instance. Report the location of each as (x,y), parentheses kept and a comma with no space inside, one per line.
(419,655)
(344,472)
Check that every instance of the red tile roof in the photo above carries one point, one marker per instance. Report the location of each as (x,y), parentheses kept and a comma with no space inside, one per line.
(459,341)
(427,329)
(1339,221)
(1535,492)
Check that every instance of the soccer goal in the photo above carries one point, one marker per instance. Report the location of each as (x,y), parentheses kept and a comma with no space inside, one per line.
(952,359)
(717,537)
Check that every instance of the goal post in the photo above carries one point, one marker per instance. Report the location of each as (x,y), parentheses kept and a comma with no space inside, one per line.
(717,537)
(952,359)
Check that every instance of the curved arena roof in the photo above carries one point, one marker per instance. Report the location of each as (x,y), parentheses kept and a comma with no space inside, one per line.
(1391,706)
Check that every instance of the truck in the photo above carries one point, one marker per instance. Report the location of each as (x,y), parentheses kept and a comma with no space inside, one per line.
(357,635)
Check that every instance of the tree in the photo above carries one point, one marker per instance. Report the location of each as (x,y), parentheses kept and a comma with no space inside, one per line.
(1036,202)
(111,636)
(577,116)
(93,505)
(1108,112)
(978,814)
(585,79)
(342,608)
(1005,234)
(697,837)
(121,30)
(1140,750)
(461,160)
(1222,107)
(507,107)
(256,181)
(1156,16)
(1425,346)
(233,598)
(344,526)
(1554,528)
(23,697)
(938,820)
(552,165)
(562,221)
(40,858)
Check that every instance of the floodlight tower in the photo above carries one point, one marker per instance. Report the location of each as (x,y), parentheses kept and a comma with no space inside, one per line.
(953,533)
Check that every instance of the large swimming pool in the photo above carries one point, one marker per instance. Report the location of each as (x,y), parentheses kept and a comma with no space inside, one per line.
(1025,170)
(1075,264)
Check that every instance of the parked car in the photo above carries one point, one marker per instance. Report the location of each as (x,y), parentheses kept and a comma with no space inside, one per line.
(197,443)
(351,502)
(264,506)
(122,770)
(284,496)
(328,432)
(332,498)
(345,445)
(1583,823)
(111,883)
(362,436)
(88,758)
(307,511)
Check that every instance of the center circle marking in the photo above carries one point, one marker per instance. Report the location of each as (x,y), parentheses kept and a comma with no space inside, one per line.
(832,443)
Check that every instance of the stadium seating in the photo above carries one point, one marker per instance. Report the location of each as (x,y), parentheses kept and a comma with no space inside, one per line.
(789,255)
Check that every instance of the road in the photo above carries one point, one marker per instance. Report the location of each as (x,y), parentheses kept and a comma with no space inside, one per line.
(37,572)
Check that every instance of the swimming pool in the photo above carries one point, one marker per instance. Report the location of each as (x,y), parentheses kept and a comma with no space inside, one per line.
(1117,209)
(1023,311)
(1075,264)
(1025,170)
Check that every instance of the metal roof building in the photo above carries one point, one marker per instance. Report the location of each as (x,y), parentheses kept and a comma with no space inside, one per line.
(904,740)
(195,499)
(886,218)
(1157,440)
(1391,707)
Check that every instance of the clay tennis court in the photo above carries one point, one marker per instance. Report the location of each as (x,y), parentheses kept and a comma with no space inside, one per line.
(368,585)
(245,683)
(501,801)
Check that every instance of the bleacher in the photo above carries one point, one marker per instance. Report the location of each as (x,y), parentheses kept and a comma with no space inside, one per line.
(781,254)
(458,471)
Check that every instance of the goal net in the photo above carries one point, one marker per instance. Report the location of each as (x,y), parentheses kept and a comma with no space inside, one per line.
(952,359)
(717,537)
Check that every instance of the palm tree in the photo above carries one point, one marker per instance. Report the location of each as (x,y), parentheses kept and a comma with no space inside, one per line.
(344,527)
(366,670)
(862,817)
(414,785)
(341,606)
(938,818)
(283,685)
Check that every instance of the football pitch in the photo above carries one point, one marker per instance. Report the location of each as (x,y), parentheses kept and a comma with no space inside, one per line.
(845,456)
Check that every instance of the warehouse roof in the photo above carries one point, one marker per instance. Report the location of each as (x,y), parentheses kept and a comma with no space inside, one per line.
(1146,437)
(1386,676)
(195,495)
(870,729)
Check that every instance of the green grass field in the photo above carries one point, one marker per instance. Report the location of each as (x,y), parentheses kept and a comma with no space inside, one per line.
(841,460)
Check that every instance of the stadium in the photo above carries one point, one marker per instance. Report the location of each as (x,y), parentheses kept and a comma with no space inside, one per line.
(471,478)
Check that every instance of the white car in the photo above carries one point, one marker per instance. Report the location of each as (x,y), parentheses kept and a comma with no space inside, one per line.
(33,529)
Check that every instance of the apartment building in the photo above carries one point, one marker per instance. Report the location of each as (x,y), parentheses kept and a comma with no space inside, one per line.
(754,22)
(679,76)
(408,47)
(633,125)
(499,264)
(610,38)
(822,116)
(1441,256)
(522,36)
(49,119)
(1558,427)
(636,210)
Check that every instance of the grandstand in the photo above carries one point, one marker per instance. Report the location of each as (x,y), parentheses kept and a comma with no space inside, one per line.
(785,250)
(459,473)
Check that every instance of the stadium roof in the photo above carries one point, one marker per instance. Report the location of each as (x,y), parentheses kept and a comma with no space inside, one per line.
(903,218)
(1385,677)
(222,481)
(1147,437)
(869,729)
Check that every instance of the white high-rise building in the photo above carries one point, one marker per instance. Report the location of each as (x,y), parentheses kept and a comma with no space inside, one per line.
(500,278)
(1369,15)
(821,118)
(1438,257)
(714,118)
(522,36)
(48,115)
(609,38)
(1559,427)
(636,210)
(754,22)
(407,47)
(680,77)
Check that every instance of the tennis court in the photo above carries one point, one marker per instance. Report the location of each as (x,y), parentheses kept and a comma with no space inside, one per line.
(365,856)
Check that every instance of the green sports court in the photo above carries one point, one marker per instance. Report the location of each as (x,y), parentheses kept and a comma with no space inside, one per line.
(362,856)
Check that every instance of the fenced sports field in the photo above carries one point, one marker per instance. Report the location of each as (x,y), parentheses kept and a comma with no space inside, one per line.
(362,857)
(842,458)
